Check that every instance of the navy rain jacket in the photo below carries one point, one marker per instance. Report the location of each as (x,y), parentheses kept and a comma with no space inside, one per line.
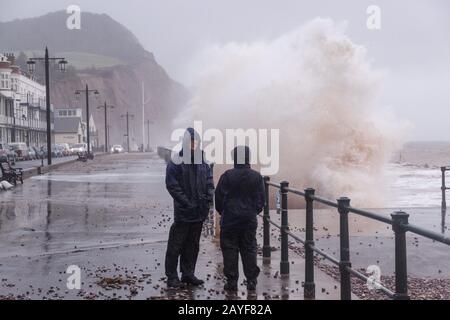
(190,185)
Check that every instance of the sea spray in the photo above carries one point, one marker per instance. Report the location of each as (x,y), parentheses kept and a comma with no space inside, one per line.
(320,90)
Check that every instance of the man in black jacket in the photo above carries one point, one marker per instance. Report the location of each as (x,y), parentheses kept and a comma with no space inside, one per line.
(239,198)
(190,183)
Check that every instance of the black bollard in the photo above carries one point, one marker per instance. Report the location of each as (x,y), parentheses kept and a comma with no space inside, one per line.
(310,287)
(266,224)
(443,189)
(346,289)
(400,219)
(284,264)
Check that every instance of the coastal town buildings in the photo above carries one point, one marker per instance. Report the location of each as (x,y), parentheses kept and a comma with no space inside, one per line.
(22,105)
(71,127)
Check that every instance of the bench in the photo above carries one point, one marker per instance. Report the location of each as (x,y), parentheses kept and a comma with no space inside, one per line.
(10,174)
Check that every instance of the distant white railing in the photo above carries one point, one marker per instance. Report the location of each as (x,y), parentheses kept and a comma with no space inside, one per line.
(26,123)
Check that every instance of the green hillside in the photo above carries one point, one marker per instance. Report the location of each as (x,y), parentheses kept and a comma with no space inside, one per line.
(100,36)
(79,60)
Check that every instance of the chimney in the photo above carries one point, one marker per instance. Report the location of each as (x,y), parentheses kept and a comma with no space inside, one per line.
(11,58)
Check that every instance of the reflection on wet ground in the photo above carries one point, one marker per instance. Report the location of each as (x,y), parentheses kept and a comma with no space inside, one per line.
(111,218)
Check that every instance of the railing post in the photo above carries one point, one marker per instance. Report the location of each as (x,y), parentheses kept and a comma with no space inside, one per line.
(310,287)
(443,188)
(401,274)
(266,224)
(346,289)
(284,264)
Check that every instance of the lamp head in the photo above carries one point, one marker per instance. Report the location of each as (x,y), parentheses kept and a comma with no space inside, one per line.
(62,65)
(31,66)
(77,95)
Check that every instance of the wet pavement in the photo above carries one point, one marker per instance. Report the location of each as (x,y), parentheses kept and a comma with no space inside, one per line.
(111,218)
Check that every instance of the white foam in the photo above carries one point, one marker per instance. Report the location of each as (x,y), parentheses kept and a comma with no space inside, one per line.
(319,89)
(413,186)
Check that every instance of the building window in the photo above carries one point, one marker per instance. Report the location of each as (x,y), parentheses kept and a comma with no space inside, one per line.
(4,83)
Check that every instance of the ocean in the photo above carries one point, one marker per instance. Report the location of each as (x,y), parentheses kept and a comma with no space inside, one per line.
(415,175)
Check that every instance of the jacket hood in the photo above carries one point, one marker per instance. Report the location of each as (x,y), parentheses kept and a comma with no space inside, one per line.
(192,134)
(241,157)
(186,153)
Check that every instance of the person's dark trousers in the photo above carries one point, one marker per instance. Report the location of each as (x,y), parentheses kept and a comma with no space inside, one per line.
(184,244)
(233,242)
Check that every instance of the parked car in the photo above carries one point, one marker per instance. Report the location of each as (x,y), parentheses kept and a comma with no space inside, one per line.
(117,149)
(32,153)
(79,147)
(21,149)
(44,152)
(56,151)
(65,149)
(6,154)
(39,153)
(62,149)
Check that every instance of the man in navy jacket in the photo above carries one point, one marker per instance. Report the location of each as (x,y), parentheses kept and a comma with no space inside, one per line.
(189,181)
(239,198)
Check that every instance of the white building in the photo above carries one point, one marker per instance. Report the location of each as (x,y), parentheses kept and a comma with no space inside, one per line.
(67,130)
(69,113)
(22,106)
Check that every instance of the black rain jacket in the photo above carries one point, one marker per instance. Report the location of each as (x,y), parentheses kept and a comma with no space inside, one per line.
(240,198)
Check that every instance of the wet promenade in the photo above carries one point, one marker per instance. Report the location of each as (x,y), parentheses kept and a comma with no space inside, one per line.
(111,218)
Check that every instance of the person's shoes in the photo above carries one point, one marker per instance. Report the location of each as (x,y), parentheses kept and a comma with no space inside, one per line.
(193,280)
(174,283)
(230,287)
(251,285)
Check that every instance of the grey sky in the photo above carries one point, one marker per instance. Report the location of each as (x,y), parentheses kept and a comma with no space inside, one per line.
(413,44)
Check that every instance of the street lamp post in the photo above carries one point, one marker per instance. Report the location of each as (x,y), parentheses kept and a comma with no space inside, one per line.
(128,115)
(31,68)
(105,106)
(148,134)
(107,132)
(87,91)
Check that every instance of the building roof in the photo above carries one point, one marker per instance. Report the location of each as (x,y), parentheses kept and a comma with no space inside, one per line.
(67,125)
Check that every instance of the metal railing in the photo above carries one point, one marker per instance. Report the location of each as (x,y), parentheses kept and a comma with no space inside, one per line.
(444,188)
(25,123)
(398,221)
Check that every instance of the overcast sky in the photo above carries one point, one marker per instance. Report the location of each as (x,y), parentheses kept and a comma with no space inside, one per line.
(413,44)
